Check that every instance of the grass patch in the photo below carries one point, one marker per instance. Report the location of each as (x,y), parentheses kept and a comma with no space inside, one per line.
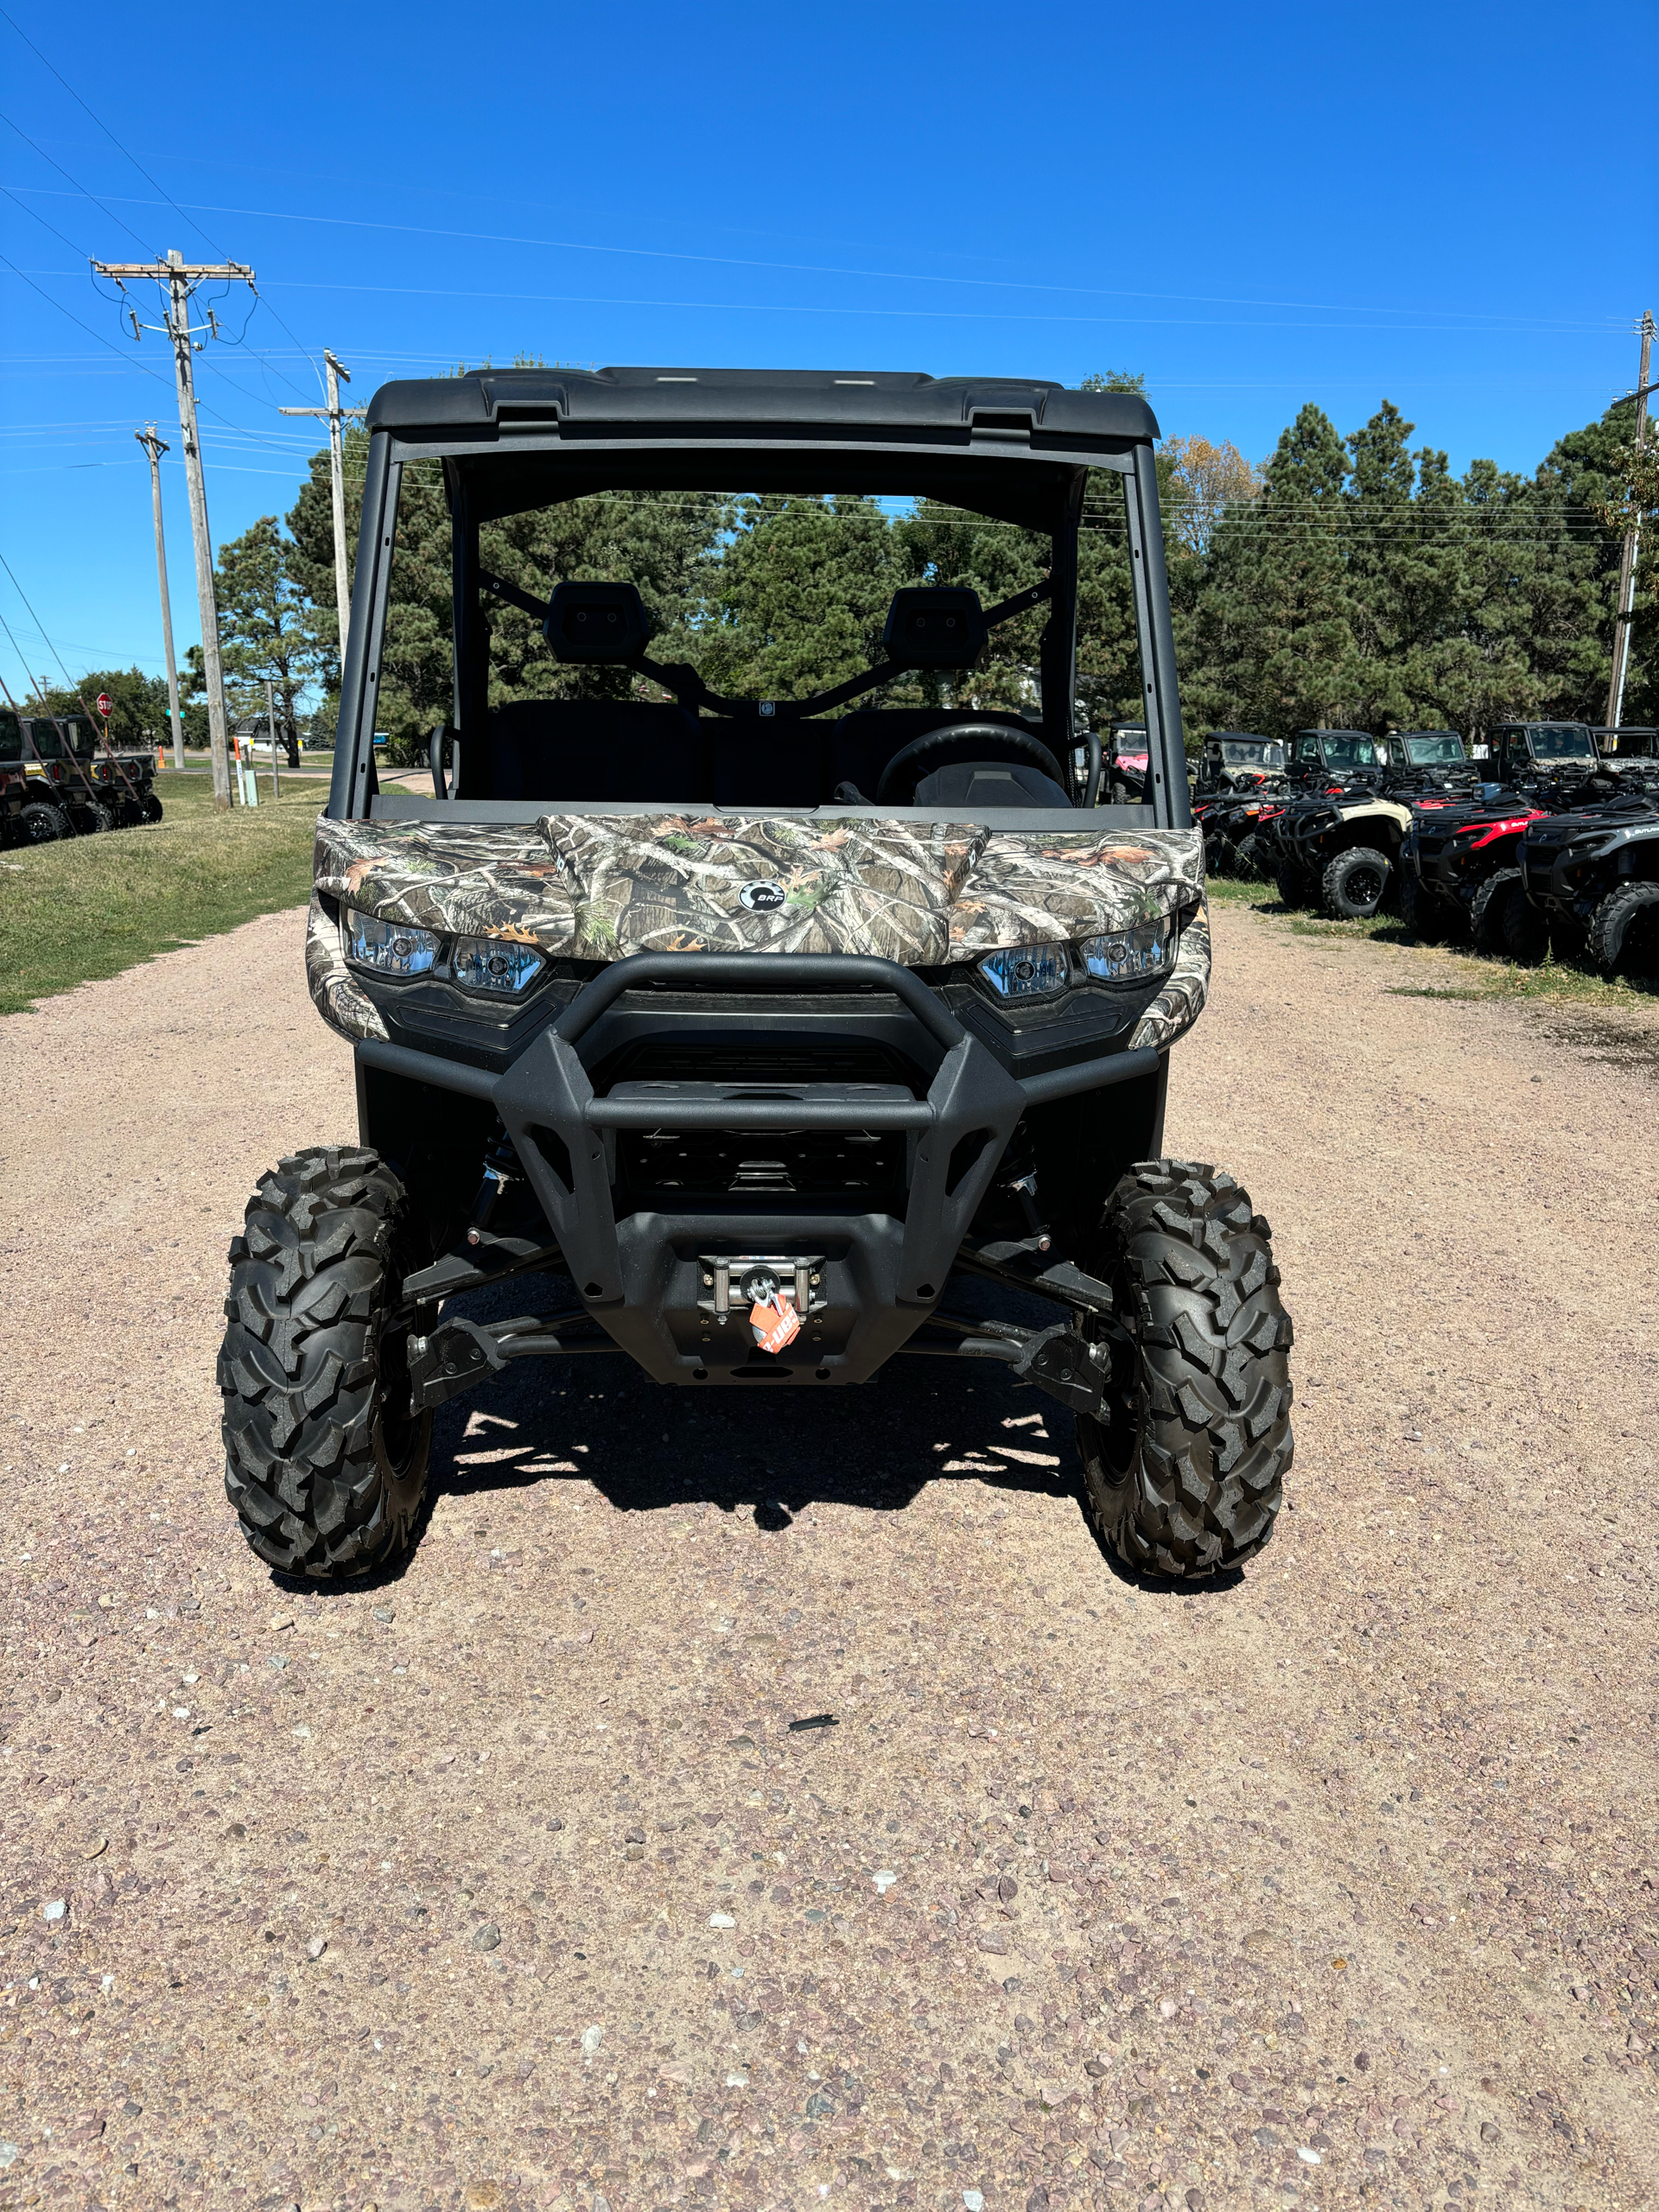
(89,908)
(1484,978)
(1471,975)
(1228,891)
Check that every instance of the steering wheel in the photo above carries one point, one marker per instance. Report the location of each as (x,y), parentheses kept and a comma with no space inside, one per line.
(957,741)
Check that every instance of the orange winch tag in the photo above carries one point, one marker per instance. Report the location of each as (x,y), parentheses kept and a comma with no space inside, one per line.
(775,1324)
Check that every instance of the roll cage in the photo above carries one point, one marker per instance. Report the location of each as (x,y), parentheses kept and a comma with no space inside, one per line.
(511,441)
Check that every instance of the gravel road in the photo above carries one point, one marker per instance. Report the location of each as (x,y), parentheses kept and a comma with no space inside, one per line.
(505,1883)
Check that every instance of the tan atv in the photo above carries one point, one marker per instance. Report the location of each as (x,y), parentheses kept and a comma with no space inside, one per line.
(1340,848)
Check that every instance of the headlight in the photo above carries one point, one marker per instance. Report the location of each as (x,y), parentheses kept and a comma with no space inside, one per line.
(477,963)
(391,948)
(1028,971)
(490,963)
(1144,950)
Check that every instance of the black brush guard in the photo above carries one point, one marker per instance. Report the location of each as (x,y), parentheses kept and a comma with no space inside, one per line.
(641,1277)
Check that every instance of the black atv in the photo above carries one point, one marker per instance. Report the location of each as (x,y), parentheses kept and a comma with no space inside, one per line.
(63,779)
(124,782)
(1590,878)
(1236,779)
(1464,869)
(753,1024)
(1235,828)
(30,812)
(1460,871)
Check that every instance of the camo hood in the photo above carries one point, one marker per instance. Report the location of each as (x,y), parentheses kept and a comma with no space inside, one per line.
(599,886)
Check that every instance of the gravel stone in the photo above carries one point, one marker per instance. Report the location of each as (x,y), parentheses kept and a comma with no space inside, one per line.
(487,1937)
(1147,1821)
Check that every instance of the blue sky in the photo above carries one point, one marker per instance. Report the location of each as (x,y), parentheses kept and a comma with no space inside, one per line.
(1451,207)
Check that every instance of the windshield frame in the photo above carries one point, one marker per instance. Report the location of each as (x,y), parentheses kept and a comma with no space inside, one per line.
(1333,748)
(1536,731)
(1412,739)
(990,473)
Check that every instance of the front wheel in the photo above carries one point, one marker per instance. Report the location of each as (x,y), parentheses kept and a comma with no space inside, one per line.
(1355,882)
(41,825)
(1625,931)
(1183,1475)
(1423,913)
(324,1461)
(1486,914)
(1524,930)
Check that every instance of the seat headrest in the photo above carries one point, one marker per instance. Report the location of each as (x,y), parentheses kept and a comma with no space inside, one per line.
(935,626)
(596,622)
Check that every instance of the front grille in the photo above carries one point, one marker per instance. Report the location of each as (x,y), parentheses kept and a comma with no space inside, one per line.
(864,1170)
(762,1058)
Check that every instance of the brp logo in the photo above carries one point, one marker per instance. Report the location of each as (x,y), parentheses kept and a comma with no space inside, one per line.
(761,897)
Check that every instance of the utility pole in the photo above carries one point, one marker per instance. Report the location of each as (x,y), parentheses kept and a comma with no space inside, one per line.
(1626,600)
(334,414)
(179,280)
(154,447)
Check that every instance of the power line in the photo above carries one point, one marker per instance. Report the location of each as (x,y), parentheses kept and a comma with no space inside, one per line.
(38,626)
(79,189)
(891,314)
(1486,323)
(120,353)
(79,325)
(108,133)
(127,155)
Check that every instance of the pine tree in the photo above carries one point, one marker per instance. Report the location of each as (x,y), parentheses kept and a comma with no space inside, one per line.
(268,630)
(1271,629)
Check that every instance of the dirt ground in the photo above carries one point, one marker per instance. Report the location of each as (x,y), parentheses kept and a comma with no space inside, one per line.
(505,1883)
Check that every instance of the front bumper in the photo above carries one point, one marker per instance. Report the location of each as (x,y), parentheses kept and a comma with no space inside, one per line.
(638,1250)
(1569,868)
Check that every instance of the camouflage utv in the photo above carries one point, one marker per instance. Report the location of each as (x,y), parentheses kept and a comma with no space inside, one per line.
(756,1021)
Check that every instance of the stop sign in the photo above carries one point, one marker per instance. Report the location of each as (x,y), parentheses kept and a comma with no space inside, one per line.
(105,704)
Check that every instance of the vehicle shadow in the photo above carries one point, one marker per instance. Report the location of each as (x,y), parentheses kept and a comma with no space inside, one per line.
(765,1457)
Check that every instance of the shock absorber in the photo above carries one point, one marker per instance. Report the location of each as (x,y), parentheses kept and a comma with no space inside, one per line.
(1019,1179)
(501,1171)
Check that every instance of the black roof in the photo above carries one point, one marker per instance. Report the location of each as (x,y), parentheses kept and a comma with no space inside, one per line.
(838,400)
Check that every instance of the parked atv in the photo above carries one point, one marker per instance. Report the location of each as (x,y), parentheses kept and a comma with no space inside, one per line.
(1628,742)
(63,781)
(1440,754)
(128,775)
(1234,825)
(1319,756)
(760,1020)
(29,811)
(1590,879)
(1561,753)
(1460,870)
(124,783)
(1338,847)
(1233,761)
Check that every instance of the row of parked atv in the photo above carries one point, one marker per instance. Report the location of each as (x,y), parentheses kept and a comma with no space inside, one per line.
(1545,835)
(58,778)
